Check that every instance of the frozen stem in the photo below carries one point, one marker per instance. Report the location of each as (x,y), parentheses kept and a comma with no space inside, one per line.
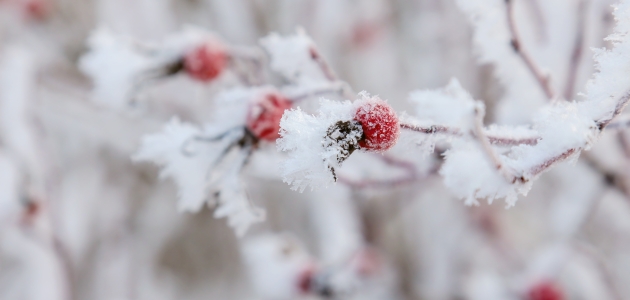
(576,54)
(496,140)
(543,78)
(487,146)
(335,88)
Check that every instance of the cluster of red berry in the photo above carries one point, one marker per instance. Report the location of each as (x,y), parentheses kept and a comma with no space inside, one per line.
(377,119)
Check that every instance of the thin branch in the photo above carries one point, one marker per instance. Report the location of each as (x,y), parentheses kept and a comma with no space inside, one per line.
(432,129)
(533,171)
(540,22)
(487,147)
(621,123)
(185,148)
(612,178)
(539,168)
(621,104)
(411,176)
(506,141)
(576,55)
(323,65)
(567,153)
(337,88)
(496,140)
(624,143)
(329,72)
(543,79)
(605,272)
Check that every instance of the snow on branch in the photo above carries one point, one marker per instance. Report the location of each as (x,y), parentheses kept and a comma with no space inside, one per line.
(207,163)
(483,162)
(296,58)
(121,65)
(496,42)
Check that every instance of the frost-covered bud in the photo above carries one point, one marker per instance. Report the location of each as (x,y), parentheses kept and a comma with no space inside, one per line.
(379,123)
(207,61)
(265,112)
(544,291)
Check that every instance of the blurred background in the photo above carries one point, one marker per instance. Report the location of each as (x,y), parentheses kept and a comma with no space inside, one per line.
(80,220)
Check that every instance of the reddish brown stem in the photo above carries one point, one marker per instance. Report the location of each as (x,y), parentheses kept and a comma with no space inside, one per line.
(601,125)
(576,55)
(411,176)
(493,139)
(543,79)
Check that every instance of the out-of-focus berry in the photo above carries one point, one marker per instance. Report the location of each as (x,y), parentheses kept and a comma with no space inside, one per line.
(36,9)
(545,291)
(206,62)
(305,279)
(263,118)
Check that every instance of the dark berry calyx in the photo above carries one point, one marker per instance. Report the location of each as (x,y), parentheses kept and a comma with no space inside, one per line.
(345,136)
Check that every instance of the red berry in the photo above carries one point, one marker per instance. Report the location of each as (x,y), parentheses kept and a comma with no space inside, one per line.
(379,123)
(36,9)
(305,280)
(365,33)
(263,118)
(206,62)
(544,291)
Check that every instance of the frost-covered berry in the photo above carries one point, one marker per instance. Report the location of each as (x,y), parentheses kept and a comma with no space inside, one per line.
(263,118)
(380,125)
(544,291)
(206,62)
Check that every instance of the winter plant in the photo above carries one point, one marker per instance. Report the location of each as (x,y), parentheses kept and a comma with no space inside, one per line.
(278,110)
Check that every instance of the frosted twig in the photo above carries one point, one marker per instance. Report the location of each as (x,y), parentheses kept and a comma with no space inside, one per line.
(507,141)
(487,146)
(623,123)
(323,65)
(566,153)
(624,142)
(496,140)
(254,57)
(432,129)
(576,55)
(329,72)
(185,147)
(621,104)
(543,79)
(600,262)
(336,88)
(612,178)
(539,19)
(411,176)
